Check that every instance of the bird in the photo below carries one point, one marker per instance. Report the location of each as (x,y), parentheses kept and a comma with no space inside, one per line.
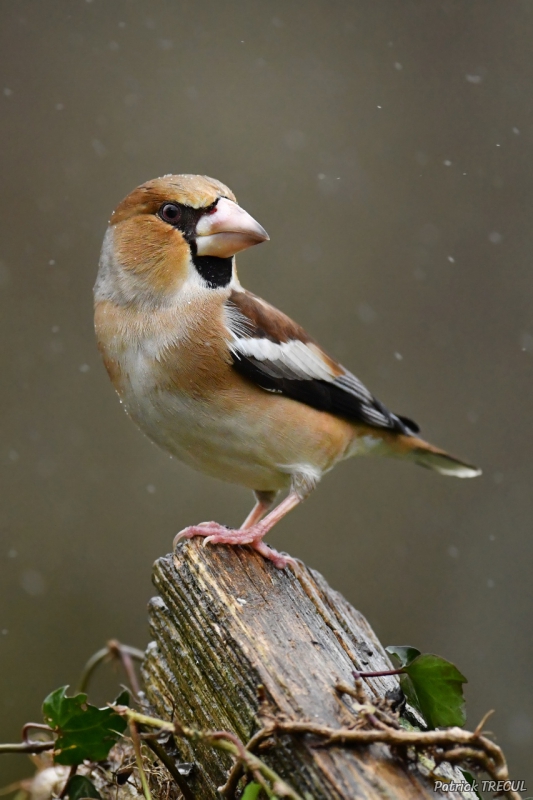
(218,377)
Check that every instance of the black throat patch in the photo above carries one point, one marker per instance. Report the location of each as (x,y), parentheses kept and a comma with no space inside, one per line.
(216,272)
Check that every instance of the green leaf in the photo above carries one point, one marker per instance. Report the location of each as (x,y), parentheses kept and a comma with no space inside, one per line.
(408,689)
(84,731)
(432,685)
(404,654)
(469,778)
(252,791)
(437,685)
(401,656)
(80,787)
(123,699)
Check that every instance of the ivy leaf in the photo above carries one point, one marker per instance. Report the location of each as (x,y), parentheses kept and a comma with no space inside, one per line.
(469,778)
(403,653)
(433,686)
(123,699)
(252,791)
(84,732)
(80,787)
(438,685)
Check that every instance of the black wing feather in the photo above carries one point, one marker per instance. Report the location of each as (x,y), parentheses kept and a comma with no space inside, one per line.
(323,395)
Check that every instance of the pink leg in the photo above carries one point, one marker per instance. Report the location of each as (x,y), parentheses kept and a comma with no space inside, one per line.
(264,502)
(252,535)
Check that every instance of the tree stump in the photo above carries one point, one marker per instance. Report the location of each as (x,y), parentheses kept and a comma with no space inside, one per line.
(227,622)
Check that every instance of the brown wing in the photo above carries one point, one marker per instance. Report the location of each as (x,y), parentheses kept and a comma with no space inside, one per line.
(274,352)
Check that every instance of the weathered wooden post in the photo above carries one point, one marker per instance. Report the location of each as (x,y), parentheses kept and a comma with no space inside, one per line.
(225,623)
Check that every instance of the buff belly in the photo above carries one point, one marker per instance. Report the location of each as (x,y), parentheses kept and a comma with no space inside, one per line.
(254,443)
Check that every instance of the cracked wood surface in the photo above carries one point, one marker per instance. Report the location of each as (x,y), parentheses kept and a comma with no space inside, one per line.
(225,622)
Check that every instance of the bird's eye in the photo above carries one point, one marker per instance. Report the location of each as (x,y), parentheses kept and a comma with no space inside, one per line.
(170,212)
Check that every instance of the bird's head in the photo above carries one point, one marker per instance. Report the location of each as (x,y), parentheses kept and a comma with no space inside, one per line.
(171,232)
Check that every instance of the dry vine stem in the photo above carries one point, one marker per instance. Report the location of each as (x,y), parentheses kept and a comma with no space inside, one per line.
(30,748)
(221,740)
(114,650)
(473,746)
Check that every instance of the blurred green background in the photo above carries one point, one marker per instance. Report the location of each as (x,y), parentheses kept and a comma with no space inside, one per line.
(386,148)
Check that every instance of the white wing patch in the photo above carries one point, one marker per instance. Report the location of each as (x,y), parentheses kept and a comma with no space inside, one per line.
(285,360)
(293,359)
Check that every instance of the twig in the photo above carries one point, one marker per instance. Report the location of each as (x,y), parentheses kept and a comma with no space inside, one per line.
(481,723)
(164,757)
(125,654)
(383,673)
(256,767)
(230,787)
(31,726)
(391,736)
(27,747)
(114,649)
(90,666)
(235,773)
(72,771)
(358,692)
(221,740)
(453,745)
(138,758)
(473,745)
(458,754)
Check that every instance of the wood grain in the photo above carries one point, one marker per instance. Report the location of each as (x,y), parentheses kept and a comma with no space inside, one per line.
(225,622)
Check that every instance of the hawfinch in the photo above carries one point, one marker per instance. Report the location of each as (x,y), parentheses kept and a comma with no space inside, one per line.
(218,377)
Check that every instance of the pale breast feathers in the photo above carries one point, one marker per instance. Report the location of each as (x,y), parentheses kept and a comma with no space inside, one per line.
(275,353)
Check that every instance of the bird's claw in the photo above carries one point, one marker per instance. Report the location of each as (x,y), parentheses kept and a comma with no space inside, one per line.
(214,533)
(202,529)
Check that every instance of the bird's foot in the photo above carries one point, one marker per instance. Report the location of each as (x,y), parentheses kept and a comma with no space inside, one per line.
(215,533)
(278,559)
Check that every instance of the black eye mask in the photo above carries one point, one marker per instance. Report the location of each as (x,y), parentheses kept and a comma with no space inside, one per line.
(215,271)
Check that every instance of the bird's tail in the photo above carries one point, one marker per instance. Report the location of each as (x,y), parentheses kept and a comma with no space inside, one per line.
(426,455)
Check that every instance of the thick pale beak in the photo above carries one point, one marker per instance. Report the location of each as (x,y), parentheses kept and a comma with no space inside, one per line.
(227,230)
